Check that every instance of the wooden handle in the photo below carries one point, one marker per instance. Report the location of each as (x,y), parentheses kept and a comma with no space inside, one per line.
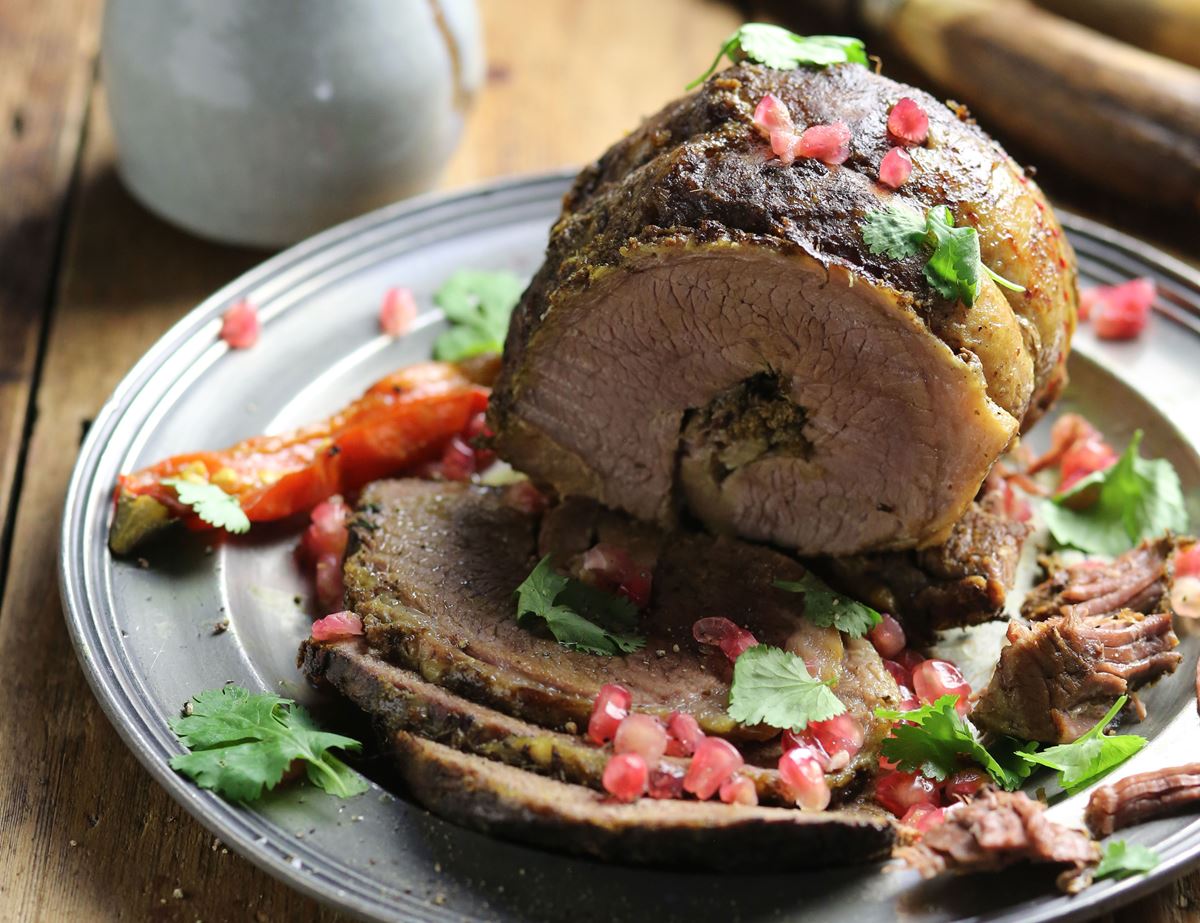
(1126,119)
(1166,27)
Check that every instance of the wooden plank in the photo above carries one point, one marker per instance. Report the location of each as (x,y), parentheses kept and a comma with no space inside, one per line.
(87,834)
(47,48)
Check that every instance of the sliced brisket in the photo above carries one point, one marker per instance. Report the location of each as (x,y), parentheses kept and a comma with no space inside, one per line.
(1142,797)
(1056,679)
(998,829)
(504,801)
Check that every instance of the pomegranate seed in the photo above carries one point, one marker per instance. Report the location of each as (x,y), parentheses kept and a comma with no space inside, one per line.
(1185,597)
(625,777)
(612,567)
(666,782)
(771,114)
(909,659)
(1016,507)
(963,784)
(936,678)
(783,146)
(888,637)
(458,460)
(240,326)
(800,770)
(398,311)
(907,122)
(476,435)
(1121,312)
(330,589)
(684,734)
(643,735)
(738,790)
(525,498)
(885,763)
(923,816)
(902,676)
(899,791)
(1085,454)
(722,633)
(841,737)
(715,761)
(608,711)
(338,625)
(829,144)
(327,532)
(896,168)
(1187,562)
(1087,300)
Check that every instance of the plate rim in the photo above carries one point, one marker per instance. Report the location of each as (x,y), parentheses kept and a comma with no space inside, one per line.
(252,835)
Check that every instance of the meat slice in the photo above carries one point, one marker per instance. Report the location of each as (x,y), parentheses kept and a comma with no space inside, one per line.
(399,700)
(998,829)
(963,581)
(504,801)
(1143,797)
(709,335)
(1056,679)
(432,573)
(1139,579)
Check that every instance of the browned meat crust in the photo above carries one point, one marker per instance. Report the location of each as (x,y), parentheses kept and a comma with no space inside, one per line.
(1146,796)
(1057,678)
(504,801)
(996,830)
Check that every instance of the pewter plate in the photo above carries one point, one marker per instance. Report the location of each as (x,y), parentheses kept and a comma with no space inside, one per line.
(144,635)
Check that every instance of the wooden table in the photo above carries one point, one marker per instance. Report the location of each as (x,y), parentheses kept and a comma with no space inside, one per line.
(88,280)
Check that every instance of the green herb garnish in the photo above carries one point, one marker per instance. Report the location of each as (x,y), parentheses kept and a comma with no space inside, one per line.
(1085,760)
(242,744)
(211,504)
(783,50)
(478,305)
(1122,859)
(954,267)
(579,616)
(825,608)
(773,687)
(936,739)
(1133,499)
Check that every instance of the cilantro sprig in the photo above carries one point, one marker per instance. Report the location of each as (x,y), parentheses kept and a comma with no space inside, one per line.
(935,740)
(1091,756)
(579,616)
(211,504)
(1131,500)
(825,608)
(242,744)
(954,267)
(783,50)
(1122,859)
(478,305)
(772,686)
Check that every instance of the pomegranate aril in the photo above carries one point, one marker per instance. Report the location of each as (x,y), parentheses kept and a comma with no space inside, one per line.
(841,737)
(398,311)
(683,734)
(908,122)
(963,784)
(525,498)
(1187,562)
(476,435)
(337,625)
(895,168)
(1082,458)
(626,777)
(643,735)
(720,632)
(715,761)
(901,675)
(665,782)
(327,532)
(240,326)
(887,637)
(899,791)
(783,146)
(1185,591)
(771,114)
(330,589)
(801,773)
(936,678)
(458,460)
(613,568)
(829,144)
(909,659)
(738,790)
(923,816)
(608,711)
(1121,312)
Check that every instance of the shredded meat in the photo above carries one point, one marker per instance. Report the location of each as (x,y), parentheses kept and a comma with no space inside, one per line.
(1139,579)
(1057,678)
(998,829)
(1143,797)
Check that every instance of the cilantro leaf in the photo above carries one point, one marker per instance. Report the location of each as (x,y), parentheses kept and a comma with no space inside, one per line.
(954,267)
(478,305)
(825,608)
(242,744)
(783,50)
(935,739)
(773,687)
(580,617)
(1122,859)
(1133,499)
(1092,755)
(211,504)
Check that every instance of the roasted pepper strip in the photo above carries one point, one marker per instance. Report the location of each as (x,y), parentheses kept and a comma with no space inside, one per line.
(402,421)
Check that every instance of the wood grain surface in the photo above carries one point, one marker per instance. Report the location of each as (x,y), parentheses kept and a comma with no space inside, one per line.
(88,280)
